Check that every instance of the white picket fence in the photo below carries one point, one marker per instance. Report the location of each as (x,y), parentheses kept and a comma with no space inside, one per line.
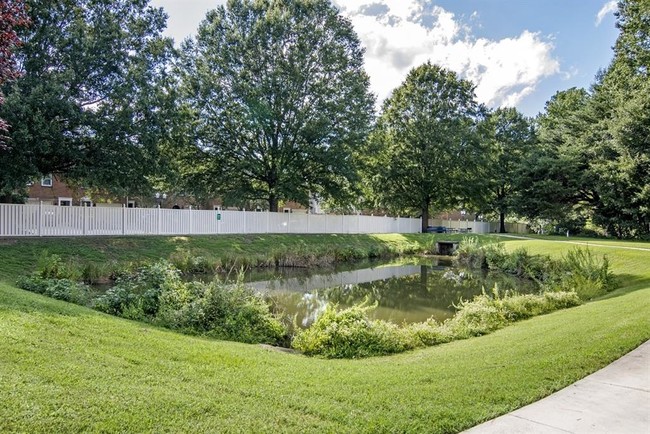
(50,220)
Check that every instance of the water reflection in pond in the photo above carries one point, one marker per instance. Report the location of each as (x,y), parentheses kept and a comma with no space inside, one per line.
(404,292)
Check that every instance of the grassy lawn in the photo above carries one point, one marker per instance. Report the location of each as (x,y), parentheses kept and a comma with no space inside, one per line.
(65,368)
(19,256)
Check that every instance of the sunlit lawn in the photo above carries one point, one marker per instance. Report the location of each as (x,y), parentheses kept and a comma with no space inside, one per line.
(65,368)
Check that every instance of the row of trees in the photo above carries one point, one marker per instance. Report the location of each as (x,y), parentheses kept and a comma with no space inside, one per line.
(270,102)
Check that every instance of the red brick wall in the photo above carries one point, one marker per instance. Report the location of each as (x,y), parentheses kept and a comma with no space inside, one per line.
(51,195)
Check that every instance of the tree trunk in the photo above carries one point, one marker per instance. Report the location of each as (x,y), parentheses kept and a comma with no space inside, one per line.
(502,223)
(425,216)
(273,203)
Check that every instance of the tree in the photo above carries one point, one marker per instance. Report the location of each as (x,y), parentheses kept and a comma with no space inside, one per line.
(423,153)
(279,100)
(12,17)
(557,183)
(88,104)
(511,138)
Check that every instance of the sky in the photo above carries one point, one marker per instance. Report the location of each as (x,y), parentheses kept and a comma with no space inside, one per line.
(518,53)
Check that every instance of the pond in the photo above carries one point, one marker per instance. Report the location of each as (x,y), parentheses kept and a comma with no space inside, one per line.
(405,291)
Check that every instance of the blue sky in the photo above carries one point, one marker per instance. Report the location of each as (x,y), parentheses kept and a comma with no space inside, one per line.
(517,52)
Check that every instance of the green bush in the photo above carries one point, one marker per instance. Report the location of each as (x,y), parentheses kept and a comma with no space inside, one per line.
(471,253)
(140,289)
(156,294)
(232,313)
(350,334)
(60,289)
(584,274)
(53,267)
(578,271)
(185,262)
(486,313)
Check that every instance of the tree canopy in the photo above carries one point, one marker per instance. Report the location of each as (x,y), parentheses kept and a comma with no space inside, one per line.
(509,139)
(426,144)
(86,104)
(278,99)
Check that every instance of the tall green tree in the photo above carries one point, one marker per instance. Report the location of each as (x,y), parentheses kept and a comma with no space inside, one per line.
(89,101)
(510,140)
(554,183)
(621,101)
(423,153)
(279,99)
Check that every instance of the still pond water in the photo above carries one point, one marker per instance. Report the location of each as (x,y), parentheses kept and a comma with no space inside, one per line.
(406,291)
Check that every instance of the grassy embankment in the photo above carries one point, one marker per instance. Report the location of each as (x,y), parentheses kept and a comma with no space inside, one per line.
(68,368)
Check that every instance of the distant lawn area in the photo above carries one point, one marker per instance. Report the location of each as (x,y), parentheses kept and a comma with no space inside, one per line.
(66,368)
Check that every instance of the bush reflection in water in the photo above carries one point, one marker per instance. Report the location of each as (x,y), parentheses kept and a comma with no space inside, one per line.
(427,290)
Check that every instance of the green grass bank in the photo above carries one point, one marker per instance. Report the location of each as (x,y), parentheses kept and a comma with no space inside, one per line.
(65,368)
(20,256)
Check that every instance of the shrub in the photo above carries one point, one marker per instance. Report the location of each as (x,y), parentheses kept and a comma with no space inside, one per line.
(53,267)
(139,290)
(60,289)
(185,262)
(486,313)
(584,274)
(232,313)
(578,271)
(350,334)
(471,253)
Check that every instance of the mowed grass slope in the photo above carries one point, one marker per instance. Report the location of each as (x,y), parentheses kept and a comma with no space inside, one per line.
(64,368)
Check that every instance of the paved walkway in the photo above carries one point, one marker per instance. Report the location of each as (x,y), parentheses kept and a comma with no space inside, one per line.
(615,399)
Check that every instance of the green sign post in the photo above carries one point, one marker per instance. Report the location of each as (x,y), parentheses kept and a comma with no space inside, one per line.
(218,216)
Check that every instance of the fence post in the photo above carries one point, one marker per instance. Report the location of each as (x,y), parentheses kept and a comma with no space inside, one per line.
(85,220)
(190,215)
(40,218)
(289,222)
(268,221)
(245,231)
(159,220)
(123,219)
(308,223)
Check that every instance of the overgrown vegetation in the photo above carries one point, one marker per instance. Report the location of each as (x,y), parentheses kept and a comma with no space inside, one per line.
(350,334)
(578,270)
(156,294)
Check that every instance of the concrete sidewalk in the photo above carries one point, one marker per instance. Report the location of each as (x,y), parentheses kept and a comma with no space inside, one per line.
(615,399)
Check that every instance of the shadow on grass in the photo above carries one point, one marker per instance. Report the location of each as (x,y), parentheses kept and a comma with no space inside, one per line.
(631,284)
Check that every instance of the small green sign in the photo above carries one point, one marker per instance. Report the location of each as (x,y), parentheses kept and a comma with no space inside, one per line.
(218,216)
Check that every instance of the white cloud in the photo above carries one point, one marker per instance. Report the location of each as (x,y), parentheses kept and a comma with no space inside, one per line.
(607,9)
(401,34)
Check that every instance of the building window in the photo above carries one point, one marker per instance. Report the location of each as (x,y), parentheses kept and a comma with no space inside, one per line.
(85,201)
(131,204)
(287,210)
(65,201)
(216,207)
(46,181)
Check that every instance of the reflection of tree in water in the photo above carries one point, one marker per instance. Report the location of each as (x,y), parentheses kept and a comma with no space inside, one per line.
(430,288)
(433,289)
